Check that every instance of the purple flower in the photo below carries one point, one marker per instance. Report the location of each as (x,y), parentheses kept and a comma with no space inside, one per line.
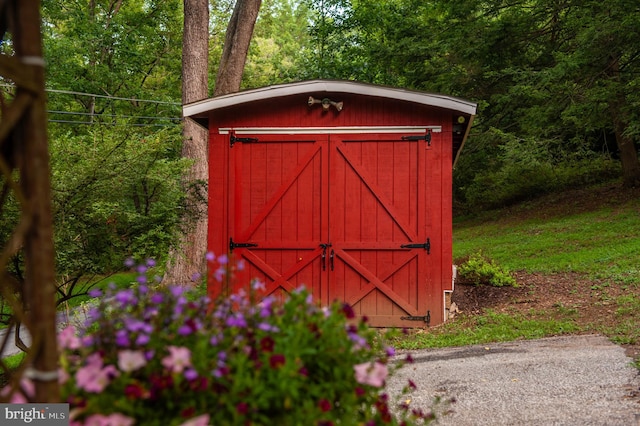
(391,351)
(95,292)
(122,338)
(142,279)
(151,263)
(215,339)
(210,256)
(126,297)
(142,339)
(176,291)
(157,298)
(129,263)
(142,269)
(268,327)
(223,259)
(219,274)
(265,306)
(135,325)
(184,330)
(258,285)
(190,374)
(237,320)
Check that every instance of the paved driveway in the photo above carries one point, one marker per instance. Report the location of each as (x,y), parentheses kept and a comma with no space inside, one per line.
(573,380)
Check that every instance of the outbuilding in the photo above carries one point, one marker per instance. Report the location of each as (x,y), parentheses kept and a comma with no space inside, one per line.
(342,187)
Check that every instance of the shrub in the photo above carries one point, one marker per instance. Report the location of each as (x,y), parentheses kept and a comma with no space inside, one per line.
(478,270)
(161,356)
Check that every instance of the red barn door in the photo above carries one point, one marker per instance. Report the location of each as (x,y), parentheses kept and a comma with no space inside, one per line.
(333,212)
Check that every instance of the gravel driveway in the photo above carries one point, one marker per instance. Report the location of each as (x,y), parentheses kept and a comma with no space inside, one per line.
(572,380)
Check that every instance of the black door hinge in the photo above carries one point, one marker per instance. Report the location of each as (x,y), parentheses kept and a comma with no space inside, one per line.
(425,318)
(233,139)
(233,245)
(425,137)
(426,246)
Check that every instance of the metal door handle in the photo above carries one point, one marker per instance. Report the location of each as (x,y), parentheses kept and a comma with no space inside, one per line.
(331,256)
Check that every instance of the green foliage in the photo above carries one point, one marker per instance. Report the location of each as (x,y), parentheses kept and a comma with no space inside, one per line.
(479,270)
(556,84)
(115,192)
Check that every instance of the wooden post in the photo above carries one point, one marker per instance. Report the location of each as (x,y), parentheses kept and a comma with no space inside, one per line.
(31,141)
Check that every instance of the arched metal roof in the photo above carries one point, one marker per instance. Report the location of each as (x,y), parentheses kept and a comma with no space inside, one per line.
(197,109)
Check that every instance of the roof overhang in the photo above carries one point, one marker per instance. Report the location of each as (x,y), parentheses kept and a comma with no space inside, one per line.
(200,110)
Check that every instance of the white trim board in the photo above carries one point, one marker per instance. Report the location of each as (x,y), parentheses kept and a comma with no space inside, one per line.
(326,130)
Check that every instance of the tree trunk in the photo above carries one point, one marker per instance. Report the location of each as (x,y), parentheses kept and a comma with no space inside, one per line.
(626,145)
(188,260)
(236,46)
(628,154)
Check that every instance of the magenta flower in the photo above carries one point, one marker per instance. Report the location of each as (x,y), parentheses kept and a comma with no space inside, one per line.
(202,420)
(372,374)
(115,419)
(324,405)
(131,360)
(26,387)
(93,377)
(67,338)
(178,359)
(277,360)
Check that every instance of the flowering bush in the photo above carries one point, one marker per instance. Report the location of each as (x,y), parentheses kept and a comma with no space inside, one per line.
(160,356)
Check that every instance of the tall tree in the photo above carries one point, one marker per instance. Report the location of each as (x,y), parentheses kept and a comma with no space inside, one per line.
(188,259)
(236,46)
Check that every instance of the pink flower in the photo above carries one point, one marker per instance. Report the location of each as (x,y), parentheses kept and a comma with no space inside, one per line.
(373,374)
(25,389)
(93,377)
(115,419)
(178,359)
(131,360)
(202,420)
(67,338)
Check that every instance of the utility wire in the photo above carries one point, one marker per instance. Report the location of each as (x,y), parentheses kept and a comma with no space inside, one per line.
(113,116)
(70,92)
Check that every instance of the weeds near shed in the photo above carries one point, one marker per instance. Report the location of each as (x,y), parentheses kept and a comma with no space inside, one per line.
(478,270)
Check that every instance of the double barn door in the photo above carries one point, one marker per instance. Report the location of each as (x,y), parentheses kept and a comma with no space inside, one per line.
(344,215)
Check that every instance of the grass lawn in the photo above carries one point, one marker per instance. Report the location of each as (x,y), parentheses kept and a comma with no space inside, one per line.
(593,236)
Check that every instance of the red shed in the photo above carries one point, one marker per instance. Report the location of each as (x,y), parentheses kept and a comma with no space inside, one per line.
(339,186)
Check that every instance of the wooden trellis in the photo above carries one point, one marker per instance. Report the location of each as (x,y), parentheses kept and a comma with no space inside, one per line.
(24,168)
